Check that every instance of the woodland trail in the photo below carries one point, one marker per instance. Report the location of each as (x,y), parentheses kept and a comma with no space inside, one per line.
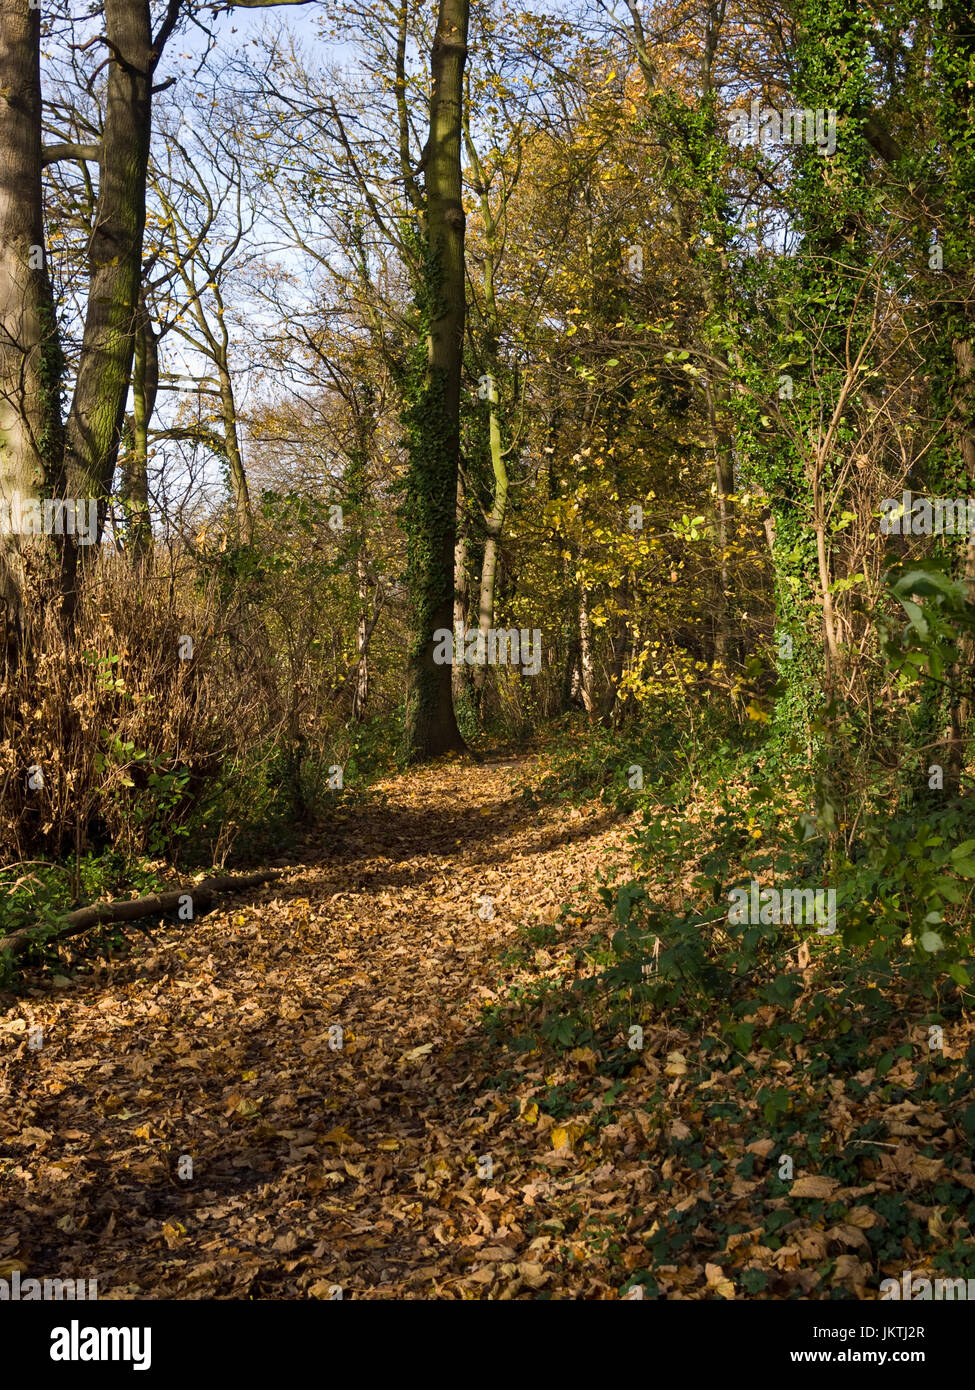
(317,1167)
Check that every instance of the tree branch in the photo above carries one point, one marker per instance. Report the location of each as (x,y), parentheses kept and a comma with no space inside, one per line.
(52,154)
(131,909)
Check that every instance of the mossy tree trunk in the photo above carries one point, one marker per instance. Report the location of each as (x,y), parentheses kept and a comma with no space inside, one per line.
(115,254)
(955,76)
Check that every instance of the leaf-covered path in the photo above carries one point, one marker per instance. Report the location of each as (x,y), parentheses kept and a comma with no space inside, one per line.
(378,1160)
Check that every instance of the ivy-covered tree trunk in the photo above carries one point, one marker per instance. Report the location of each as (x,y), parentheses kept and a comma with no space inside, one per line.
(31,437)
(358,501)
(813,345)
(434,419)
(937,186)
(955,74)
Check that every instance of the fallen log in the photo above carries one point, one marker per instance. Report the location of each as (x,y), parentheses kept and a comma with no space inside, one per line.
(131,909)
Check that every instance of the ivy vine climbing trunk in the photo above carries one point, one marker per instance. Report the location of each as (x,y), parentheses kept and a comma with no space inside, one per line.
(954,70)
(433,420)
(937,192)
(358,500)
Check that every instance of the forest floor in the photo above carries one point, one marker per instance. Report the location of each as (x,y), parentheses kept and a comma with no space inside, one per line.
(414,1154)
(314,1164)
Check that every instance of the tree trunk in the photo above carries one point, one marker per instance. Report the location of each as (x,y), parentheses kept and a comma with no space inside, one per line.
(220,345)
(114,257)
(955,56)
(360,697)
(459,680)
(962,673)
(235,462)
(495,524)
(617,658)
(431,501)
(31,436)
(587,678)
(570,674)
(135,463)
(724,477)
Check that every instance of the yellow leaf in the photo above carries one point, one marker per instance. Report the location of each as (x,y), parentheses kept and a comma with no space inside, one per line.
(676,1064)
(339,1135)
(324,1290)
(173,1232)
(584,1056)
(530,1114)
(717,1281)
(565,1136)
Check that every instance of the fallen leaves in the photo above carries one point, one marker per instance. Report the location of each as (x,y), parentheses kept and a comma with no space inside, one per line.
(408,1155)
